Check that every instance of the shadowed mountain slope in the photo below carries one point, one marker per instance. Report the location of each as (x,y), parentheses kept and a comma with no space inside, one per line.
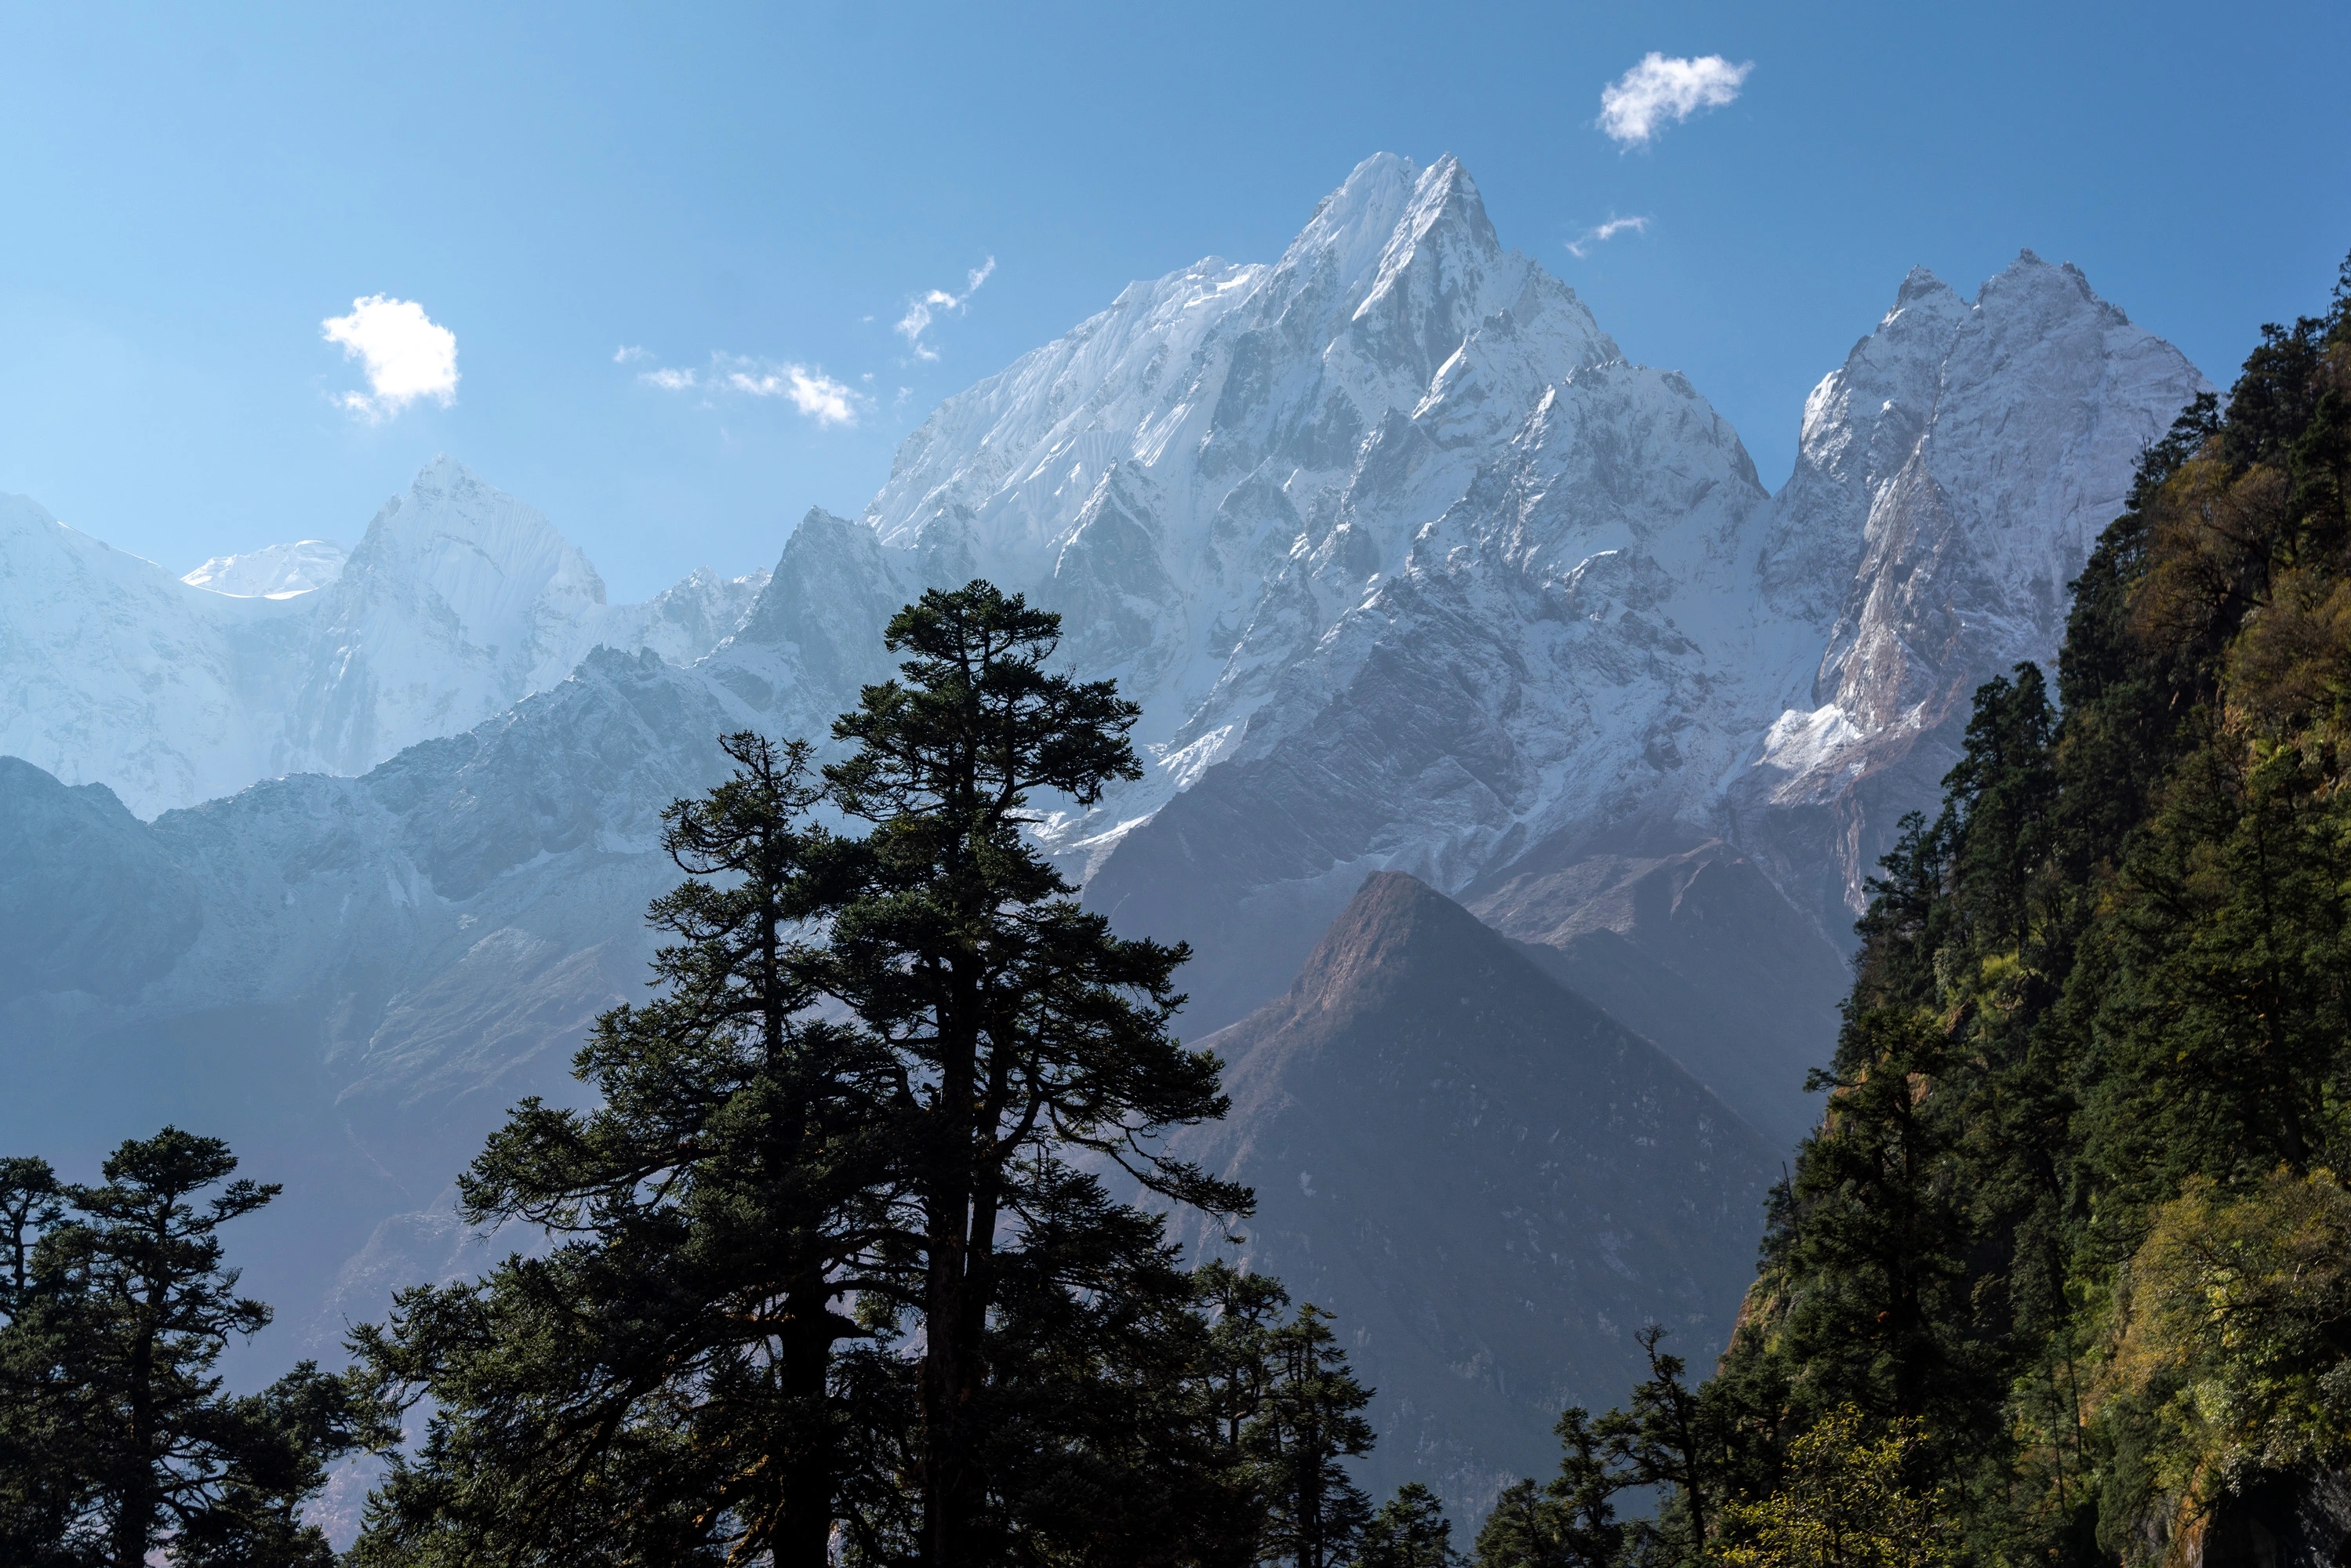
(1698,952)
(1490,1181)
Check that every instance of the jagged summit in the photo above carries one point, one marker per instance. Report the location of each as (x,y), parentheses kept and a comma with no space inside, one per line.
(1949,481)
(1918,282)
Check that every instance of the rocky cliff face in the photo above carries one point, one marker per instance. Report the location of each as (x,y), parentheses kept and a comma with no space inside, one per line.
(1951,478)
(1491,1182)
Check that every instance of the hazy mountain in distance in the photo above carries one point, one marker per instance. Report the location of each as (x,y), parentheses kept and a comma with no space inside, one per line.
(458,602)
(302,567)
(1697,952)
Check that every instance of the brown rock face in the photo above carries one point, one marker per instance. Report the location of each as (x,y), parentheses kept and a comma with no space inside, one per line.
(1490,1181)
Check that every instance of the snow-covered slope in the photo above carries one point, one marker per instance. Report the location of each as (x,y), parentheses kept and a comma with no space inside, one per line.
(298,568)
(113,671)
(1410,570)
(460,601)
(1950,480)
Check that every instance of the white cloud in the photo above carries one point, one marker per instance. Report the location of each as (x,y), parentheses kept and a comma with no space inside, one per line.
(1660,91)
(918,316)
(628,354)
(814,393)
(409,355)
(806,387)
(1601,234)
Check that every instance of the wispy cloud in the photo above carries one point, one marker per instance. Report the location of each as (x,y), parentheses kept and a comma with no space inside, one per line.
(1662,91)
(407,354)
(806,387)
(1601,234)
(920,312)
(630,353)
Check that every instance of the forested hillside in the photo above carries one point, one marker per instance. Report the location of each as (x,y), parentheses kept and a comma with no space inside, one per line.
(2064,1275)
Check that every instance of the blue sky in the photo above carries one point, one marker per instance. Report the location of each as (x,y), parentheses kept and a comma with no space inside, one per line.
(187,195)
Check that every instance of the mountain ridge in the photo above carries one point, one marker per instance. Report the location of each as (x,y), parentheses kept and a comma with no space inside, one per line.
(460,601)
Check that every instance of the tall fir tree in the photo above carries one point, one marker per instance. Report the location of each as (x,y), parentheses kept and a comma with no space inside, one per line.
(1021,1026)
(1311,1420)
(664,1385)
(117,1440)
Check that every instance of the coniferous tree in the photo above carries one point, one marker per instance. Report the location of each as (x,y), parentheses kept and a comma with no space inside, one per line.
(664,1384)
(117,1439)
(767,1179)
(1310,1421)
(1408,1531)
(41,1480)
(1021,1026)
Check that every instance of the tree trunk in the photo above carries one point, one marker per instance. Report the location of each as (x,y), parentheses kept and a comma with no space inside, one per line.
(948,1356)
(804,1536)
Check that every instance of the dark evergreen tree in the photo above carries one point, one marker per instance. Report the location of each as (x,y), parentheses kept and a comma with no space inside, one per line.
(1106,1382)
(42,1481)
(1572,1521)
(1310,1421)
(1020,1025)
(825,1262)
(1408,1531)
(117,1439)
(663,1385)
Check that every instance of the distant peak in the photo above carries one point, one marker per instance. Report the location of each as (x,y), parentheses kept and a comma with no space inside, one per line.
(1918,282)
(1357,218)
(443,473)
(2030,278)
(1444,189)
(1381,170)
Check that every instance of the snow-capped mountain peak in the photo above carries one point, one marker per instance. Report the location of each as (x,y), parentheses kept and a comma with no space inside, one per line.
(459,601)
(1950,479)
(275,571)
